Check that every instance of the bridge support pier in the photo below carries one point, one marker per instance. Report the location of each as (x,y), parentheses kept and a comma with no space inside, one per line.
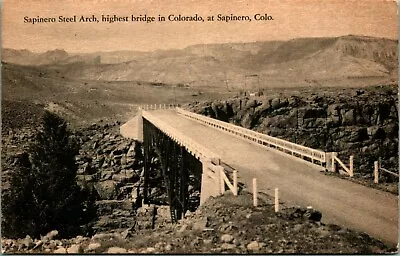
(210,182)
(178,168)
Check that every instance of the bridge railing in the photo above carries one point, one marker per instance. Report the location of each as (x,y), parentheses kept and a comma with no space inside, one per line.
(262,139)
(346,170)
(378,167)
(193,147)
(219,174)
(158,106)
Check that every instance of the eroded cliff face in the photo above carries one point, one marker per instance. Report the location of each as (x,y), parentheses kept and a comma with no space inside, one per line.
(363,122)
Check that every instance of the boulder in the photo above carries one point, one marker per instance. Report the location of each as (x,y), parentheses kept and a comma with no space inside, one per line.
(227,238)
(200,223)
(27,242)
(131,151)
(115,250)
(122,148)
(334,109)
(106,189)
(294,101)
(105,207)
(150,250)
(50,236)
(236,105)
(275,103)
(60,250)
(247,120)
(228,246)
(314,113)
(376,132)
(75,249)
(126,176)
(356,134)
(253,246)
(391,129)
(262,108)
(251,104)
(93,246)
(221,111)
(313,215)
(348,116)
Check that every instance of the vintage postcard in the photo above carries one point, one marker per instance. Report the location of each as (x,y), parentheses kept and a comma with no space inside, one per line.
(199,127)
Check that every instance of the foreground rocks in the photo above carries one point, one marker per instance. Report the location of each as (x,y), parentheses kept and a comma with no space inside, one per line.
(225,224)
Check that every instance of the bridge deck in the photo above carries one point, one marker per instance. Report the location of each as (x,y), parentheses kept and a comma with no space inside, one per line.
(340,201)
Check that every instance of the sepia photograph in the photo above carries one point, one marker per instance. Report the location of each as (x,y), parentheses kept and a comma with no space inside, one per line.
(199,127)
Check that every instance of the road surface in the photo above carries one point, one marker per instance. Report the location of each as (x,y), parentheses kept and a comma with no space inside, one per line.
(340,201)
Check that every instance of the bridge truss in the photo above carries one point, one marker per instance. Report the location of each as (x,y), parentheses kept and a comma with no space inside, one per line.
(180,170)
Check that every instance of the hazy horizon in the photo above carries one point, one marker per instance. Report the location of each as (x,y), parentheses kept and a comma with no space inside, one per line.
(171,49)
(292,19)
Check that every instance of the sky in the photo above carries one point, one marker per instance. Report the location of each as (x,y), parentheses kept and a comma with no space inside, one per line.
(291,19)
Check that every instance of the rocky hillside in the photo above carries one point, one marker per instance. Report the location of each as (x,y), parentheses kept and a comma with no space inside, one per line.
(225,224)
(368,52)
(363,122)
(110,167)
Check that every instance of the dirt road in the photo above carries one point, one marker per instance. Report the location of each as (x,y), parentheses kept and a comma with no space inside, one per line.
(340,201)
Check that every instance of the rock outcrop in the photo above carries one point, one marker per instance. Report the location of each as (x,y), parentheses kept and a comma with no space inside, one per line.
(363,122)
(108,163)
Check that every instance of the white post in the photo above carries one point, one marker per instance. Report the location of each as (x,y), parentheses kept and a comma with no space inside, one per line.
(235,185)
(334,154)
(160,106)
(351,166)
(276,200)
(376,172)
(222,182)
(255,200)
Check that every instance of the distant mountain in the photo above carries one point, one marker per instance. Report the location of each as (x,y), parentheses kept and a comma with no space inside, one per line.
(54,57)
(272,63)
(382,51)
